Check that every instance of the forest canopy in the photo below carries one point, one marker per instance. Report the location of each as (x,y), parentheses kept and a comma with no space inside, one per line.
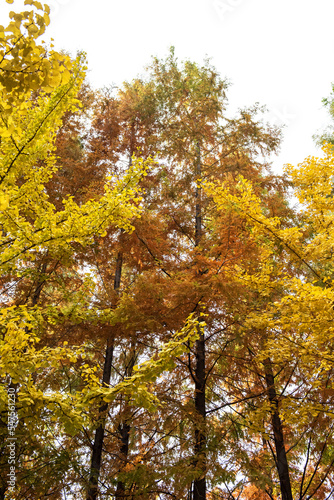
(166,319)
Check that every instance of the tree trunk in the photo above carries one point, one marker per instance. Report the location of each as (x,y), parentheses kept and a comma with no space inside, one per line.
(200,436)
(198,195)
(99,433)
(281,458)
(200,381)
(95,467)
(124,430)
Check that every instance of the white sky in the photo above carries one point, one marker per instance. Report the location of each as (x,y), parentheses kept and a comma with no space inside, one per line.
(276,52)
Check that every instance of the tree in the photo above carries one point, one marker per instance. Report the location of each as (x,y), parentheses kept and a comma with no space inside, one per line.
(78,263)
(198,140)
(37,88)
(170,267)
(297,320)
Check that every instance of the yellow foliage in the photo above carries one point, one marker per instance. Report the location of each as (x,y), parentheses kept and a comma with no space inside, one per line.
(37,87)
(294,276)
(136,388)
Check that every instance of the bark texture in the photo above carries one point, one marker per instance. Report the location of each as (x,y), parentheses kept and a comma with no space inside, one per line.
(97,450)
(199,486)
(281,458)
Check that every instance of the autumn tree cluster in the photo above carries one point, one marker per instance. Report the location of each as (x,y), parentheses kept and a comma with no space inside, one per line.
(166,317)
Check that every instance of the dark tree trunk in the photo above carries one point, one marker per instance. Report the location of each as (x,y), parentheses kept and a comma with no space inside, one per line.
(200,436)
(198,195)
(124,427)
(124,431)
(200,381)
(281,458)
(99,433)
(95,467)
(40,283)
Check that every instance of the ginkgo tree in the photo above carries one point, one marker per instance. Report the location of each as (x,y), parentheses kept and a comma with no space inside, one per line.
(37,87)
(293,283)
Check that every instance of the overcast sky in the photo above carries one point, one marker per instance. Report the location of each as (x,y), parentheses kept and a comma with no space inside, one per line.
(275,52)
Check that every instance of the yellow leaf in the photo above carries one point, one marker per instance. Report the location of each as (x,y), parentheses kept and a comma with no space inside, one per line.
(4,201)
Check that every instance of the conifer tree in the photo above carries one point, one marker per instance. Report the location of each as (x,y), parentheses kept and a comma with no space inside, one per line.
(179,114)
